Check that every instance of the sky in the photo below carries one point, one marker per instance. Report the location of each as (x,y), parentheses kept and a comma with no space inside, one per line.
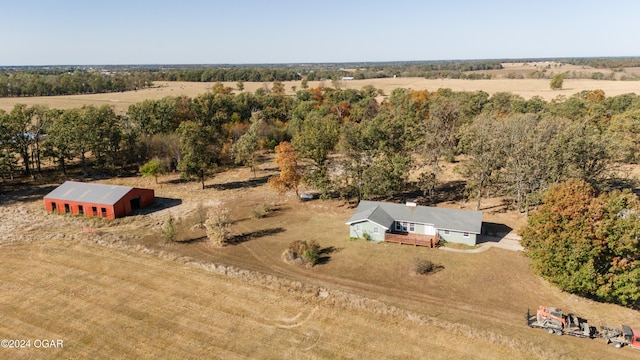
(117,32)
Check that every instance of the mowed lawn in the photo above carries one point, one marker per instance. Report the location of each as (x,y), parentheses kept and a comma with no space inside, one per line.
(135,296)
(106,303)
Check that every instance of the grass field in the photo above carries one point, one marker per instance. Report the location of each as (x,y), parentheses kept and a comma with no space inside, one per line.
(526,88)
(113,289)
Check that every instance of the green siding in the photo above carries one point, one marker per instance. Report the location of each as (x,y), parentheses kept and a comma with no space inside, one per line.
(457,237)
(368,228)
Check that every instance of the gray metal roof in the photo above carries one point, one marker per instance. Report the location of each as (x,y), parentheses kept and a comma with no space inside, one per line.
(441,218)
(90,193)
(375,214)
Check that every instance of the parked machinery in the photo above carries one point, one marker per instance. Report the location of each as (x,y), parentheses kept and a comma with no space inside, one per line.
(554,321)
(621,337)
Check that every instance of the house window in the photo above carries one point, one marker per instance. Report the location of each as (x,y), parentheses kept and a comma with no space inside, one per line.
(80,210)
(465,234)
(375,230)
(53,206)
(94,210)
(398,226)
(412,227)
(404,226)
(104,212)
(67,209)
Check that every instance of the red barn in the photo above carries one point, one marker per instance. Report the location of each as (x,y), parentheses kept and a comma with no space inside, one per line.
(107,201)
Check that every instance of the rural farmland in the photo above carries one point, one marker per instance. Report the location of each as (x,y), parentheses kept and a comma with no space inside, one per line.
(140,296)
(125,288)
(295,180)
(527,88)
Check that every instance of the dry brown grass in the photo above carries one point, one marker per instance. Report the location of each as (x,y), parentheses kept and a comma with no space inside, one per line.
(120,291)
(527,88)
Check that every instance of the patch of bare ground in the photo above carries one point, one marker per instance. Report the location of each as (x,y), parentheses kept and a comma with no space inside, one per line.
(114,288)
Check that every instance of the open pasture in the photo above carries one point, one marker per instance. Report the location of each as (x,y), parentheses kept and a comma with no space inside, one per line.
(118,290)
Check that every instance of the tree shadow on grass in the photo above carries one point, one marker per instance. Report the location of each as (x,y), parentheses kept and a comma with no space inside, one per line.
(192,240)
(323,254)
(251,183)
(239,239)
(27,194)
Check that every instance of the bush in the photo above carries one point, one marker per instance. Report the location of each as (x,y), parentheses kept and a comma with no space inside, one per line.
(262,211)
(169,229)
(302,252)
(218,226)
(422,266)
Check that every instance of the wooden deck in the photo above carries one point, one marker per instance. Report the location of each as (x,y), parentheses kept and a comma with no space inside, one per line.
(412,239)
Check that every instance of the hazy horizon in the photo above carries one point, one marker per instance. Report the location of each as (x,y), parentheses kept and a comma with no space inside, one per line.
(249,32)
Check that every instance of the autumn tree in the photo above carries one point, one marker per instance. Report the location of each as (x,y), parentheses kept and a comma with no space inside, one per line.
(287,161)
(587,243)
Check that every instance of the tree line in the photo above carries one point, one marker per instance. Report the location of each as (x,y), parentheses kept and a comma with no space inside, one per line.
(69,80)
(353,145)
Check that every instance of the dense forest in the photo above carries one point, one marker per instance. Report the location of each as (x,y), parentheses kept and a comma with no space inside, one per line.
(345,143)
(67,80)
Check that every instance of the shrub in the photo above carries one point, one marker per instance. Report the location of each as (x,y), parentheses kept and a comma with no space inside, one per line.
(217,225)
(169,229)
(302,252)
(422,266)
(262,211)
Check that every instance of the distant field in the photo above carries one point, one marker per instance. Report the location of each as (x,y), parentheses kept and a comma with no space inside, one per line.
(118,291)
(526,88)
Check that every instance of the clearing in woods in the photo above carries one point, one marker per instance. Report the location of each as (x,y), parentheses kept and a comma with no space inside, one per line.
(114,289)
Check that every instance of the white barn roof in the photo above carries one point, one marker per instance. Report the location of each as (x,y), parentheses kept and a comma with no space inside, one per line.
(89,193)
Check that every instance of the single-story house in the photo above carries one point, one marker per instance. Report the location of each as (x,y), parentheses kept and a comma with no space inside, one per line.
(101,200)
(382,221)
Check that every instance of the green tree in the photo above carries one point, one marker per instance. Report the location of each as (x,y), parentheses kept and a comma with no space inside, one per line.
(316,138)
(556,82)
(481,140)
(441,128)
(17,125)
(199,153)
(152,168)
(244,150)
(169,229)
(587,243)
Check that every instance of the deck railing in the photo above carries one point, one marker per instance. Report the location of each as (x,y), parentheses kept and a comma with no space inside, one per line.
(412,239)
